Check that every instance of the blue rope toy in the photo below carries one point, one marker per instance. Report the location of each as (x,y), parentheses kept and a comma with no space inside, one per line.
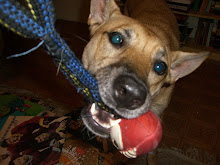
(38,23)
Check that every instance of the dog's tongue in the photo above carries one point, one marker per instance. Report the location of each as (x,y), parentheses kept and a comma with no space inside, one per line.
(134,137)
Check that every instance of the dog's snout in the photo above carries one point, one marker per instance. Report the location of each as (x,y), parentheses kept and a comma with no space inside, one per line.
(128,92)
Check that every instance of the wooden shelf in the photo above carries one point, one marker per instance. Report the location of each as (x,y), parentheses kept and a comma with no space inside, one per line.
(214,54)
(190,45)
(199,15)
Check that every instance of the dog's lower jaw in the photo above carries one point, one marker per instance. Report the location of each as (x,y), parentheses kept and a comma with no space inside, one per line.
(92,125)
(98,121)
(101,132)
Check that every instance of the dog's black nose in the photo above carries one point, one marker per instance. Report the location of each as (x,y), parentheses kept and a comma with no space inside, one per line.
(128,92)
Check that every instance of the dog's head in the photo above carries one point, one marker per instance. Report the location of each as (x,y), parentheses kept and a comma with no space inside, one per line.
(135,70)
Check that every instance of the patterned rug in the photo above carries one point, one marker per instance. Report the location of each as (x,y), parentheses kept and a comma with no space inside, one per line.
(81,150)
(80,146)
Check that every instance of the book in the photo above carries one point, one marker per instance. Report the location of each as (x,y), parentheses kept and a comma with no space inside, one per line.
(17,106)
(32,140)
(205,35)
(178,7)
(193,23)
(209,5)
(181,19)
(209,34)
(213,33)
(196,5)
(199,32)
(212,8)
(203,6)
(216,43)
(187,2)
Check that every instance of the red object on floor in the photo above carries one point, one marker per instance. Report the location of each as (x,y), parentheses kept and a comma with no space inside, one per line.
(134,137)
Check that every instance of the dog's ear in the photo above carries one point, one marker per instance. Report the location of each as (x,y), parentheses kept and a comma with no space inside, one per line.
(184,63)
(100,12)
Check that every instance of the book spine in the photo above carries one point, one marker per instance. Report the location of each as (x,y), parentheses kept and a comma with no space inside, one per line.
(202,33)
(178,7)
(213,34)
(196,5)
(199,33)
(187,2)
(216,44)
(203,6)
(206,30)
(211,10)
(209,6)
(209,34)
(193,23)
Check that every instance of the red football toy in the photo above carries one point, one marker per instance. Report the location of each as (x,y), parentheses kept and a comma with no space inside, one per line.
(134,137)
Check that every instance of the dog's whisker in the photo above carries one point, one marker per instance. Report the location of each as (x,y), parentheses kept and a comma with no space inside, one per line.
(92,137)
(88,133)
(79,118)
(84,129)
(82,39)
(58,69)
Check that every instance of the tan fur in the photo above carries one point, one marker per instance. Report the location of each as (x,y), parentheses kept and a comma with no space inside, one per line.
(165,27)
(152,35)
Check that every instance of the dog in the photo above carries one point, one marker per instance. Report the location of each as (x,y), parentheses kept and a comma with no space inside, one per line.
(135,58)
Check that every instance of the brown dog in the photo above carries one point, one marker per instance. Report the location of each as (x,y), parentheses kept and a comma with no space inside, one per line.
(134,59)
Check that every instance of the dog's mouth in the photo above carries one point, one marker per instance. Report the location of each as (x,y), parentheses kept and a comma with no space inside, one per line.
(98,121)
(132,137)
(123,92)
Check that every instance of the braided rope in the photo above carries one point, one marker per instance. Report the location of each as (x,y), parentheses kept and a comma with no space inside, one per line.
(16,17)
(31,9)
(39,23)
(44,11)
(10,28)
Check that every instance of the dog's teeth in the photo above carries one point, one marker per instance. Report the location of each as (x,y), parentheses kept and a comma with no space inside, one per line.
(95,118)
(114,122)
(93,109)
(94,112)
(105,125)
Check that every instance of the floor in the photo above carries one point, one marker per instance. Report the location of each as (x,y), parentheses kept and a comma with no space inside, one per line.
(191,120)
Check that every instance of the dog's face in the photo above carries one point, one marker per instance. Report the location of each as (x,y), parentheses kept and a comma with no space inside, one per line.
(135,70)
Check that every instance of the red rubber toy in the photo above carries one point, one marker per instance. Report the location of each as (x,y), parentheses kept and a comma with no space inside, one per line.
(138,136)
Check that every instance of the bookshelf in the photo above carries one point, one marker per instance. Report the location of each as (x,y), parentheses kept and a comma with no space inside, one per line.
(199,15)
(190,44)
(202,17)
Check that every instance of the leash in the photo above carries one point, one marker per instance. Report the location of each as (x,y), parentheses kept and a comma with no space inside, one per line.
(37,22)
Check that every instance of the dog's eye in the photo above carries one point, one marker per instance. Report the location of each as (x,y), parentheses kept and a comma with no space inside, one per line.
(160,67)
(116,39)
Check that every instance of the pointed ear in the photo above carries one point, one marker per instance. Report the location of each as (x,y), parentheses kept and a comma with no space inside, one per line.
(100,12)
(184,63)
